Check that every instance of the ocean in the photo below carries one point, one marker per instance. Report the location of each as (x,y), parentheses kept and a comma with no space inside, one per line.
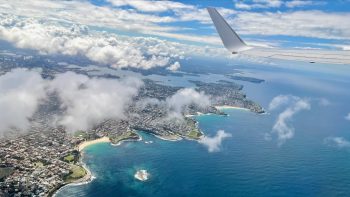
(313,161)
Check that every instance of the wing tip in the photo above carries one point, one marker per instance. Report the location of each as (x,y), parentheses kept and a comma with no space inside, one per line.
(221,23)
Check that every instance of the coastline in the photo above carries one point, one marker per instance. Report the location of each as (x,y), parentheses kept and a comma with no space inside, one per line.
(127,140)
(84,180)
(220,107)
(85,144)
(88,177)
(169,138)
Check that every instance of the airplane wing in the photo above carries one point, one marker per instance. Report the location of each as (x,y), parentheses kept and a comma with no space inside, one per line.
(229,37)
(235,45)
(304,55)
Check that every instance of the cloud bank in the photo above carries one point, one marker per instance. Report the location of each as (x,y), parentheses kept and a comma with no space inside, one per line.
(88,101)
(214,143)
(76,40)
(21,92)
(174,67)
(84,101)
(177,103)
(38,25)
(266,4)
(282,127)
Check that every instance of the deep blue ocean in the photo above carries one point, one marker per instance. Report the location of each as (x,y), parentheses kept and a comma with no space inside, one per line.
(247,164)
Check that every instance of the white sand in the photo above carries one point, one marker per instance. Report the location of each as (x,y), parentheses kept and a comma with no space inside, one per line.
(85,144)
(229,107)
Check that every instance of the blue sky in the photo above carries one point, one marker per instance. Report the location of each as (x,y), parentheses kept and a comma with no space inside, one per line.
(53,26)
(338,10)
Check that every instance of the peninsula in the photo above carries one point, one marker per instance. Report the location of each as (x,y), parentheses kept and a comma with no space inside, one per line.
(46,158)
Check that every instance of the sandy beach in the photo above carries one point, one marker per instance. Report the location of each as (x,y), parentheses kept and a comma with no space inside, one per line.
(171,138)
(85,144)
(192,115)
(229,107)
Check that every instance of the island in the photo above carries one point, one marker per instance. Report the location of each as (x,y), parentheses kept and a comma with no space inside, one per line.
(141,175)
(244,78)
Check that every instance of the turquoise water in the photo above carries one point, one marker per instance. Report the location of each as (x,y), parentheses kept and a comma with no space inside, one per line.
(247,164)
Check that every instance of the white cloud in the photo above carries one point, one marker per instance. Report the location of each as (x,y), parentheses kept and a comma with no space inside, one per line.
(84,101)
(282,100)
(298,3)
(21,92)
(338,142)
(131,20)
(244,6)
(327,25)
(281,128)
(88,101)
(158,19)
(144,17)
(279,101)
(177,103)
(347,117)
(108,49)
(266,4)
(259,4)
(214,143)
(174,67)
(152,6)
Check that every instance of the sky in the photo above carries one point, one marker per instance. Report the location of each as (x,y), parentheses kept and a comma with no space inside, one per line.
(146,34)
(288,23)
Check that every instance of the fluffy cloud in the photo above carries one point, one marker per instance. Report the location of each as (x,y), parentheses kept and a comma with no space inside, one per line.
(104,48)
(181,99)
(266,4)
(258,4)
(279,101)
(178,104)
(144,17)
(107,49)
(281,127)
(158,18)
(152,6)
(298,3)
(21,92)
(117,18)
(338,142)
(174,67)
(88,101)
(214,143)
(84,101)
(297,23)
